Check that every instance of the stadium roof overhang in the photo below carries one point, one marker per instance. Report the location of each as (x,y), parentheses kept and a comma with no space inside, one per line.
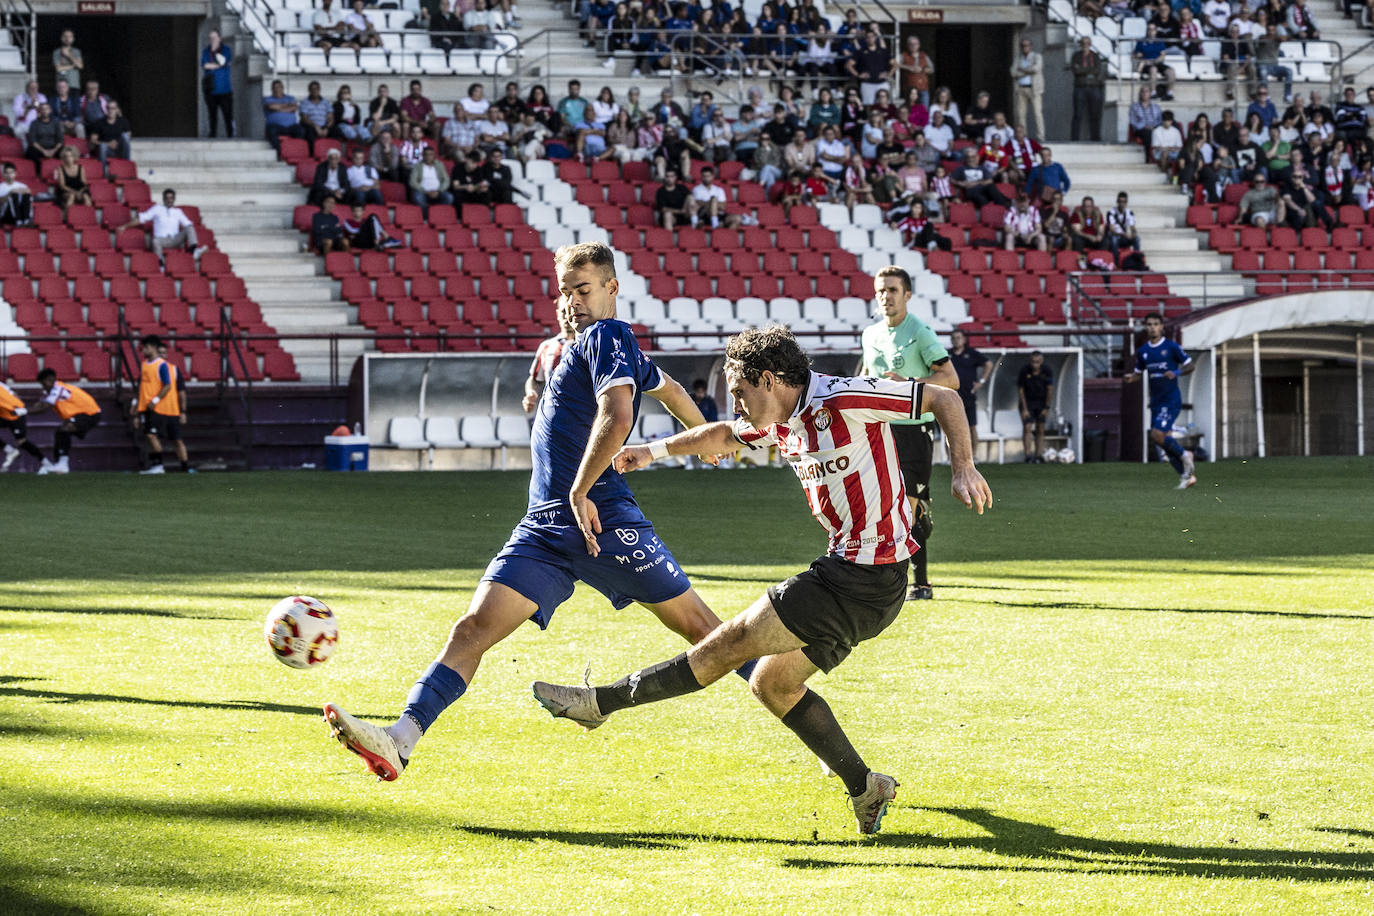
(1233,321)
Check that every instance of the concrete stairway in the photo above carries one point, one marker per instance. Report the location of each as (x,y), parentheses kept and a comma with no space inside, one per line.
(246,197)
(1102,171)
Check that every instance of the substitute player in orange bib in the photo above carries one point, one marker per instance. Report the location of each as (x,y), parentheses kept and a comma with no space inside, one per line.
(14,417)
(158,408)
(79,414)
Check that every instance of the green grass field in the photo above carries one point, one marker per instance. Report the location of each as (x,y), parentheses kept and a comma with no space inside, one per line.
(1124,700)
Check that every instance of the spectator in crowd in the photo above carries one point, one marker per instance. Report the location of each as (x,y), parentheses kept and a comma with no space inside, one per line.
(1144,116)
(978,188)
(1300,23)
(654,54)
(1121,231)
(1087,226)
(1249,155)
(66,108)
(817,187)
(673,204)
(1261,205)
(348,117)
(417,110)
(1027,72)
(699,115)
(383,114)
(111,135)
(800,154)
(70,184)
(361,31)
(364,231)
(217,85)
(364,181)
(466,182)
(1216,14)
(919,232)
(917,69)
(1021,227)
(994,159)
(973,369)
(316,113)
(746,133)
(1035,387)
(674,152)
(979,117)
(446,28)
(709,202)
(927,156)
(1302,203)
(1276,152)
(1190,33)
(513,107)
(870,64)
(717,137)
(475,103)
(459,135)
(705,403)
(67,61)
(16,200)
(429,182)
(768,162)
(1149,60)
(943,102)
(385,157)
(1022,154)
(480,22)
(856,184)
(25,108)
(281,115)
(412,150)
(499,179)
(492,133)
(831,154)
(326,231)
(331,179)
(1089,82)
(94,106)
(172,228)
(1227,131)
(329,28)
(1046,177)
(824,112)
(939,134)
(1166,141)
(819,60)
(1352,122)
(1237,59)
(1267,65)
(998,133)
(1054,222)
(527,137)
(45,136)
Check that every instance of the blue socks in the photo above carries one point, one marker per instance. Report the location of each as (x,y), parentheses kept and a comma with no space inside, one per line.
(746,669)
(1175,454)
(436,689)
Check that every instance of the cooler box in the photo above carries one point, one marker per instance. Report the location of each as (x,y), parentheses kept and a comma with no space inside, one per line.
(346,453)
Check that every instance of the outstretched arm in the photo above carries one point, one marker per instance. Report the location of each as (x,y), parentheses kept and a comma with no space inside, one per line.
(706,439)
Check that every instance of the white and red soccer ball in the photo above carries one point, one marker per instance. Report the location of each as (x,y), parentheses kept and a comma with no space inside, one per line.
(302,632)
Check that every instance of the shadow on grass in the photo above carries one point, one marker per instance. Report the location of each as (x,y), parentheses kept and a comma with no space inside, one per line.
(1026,840)
(93,609)
(1094,606)
(58,696)
(20,902)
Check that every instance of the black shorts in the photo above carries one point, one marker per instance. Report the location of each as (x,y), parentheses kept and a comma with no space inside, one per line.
(1036,412)
(835,605)
(915,451)
(18,427)
(161,425)
(970,407)
(84,423)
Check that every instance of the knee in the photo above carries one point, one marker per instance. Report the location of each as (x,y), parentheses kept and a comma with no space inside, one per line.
(776,695)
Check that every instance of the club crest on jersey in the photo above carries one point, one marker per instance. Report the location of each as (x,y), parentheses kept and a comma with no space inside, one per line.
(822,419)
(897,361)
(628,536)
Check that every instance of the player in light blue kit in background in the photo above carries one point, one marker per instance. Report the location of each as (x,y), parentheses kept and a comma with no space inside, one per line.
(582,521)
(1164,361)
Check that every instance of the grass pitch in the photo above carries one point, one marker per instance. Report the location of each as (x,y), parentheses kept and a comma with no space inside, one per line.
(1124,700)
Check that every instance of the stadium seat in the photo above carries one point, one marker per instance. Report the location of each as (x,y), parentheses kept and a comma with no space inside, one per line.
(406,432)
(479,432)
(442,432)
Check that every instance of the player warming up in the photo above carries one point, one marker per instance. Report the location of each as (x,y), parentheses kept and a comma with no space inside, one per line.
(1164,361)
(834,432)
(78,414)
(582,522)
(14,417)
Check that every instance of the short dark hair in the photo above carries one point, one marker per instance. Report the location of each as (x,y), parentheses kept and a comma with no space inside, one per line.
(892,270)
(47,375)
(150,340)
(6,165)
(1168,115)
(1150,315)
(586,254)
(171,191)
(472,86)
(699,383)
(755,351)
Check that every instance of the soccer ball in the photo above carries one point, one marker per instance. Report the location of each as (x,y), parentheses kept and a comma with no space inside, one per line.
(301,632)
(1067,456)
(1050,456)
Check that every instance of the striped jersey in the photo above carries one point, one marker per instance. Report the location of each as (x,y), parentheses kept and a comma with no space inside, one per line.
(839,445)
(546,358)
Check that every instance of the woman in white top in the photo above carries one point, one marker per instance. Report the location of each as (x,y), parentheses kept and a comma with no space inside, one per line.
(872,134)
(944,101)
(604,107)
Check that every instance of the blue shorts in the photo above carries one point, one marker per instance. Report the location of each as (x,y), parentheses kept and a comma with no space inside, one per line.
(546,555)
(1162,416)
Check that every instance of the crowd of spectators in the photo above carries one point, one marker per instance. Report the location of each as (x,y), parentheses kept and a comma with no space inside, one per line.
(1301,163)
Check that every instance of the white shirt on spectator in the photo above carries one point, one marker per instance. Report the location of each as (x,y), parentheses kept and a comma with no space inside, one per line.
(826,147)
(462,134)
(327,19)
(6,189)
(22,118)
(361,176)
(167,221)
(357,21)
(1217,13)
(703,194)
(1022,223)
(604,113)
(429,177)
(1163,137)
(1120,221)
(942,138)
(1003,134)
(475,108)
(714,134)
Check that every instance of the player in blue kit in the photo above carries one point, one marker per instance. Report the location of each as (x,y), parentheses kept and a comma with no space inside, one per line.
(582,521)
(1164,361)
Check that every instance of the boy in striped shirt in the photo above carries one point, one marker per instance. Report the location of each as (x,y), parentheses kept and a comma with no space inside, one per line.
(833,432)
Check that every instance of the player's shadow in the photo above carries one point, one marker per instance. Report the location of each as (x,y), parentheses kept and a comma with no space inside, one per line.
(97,609)
(1062,852)
(1258,612)
(58,696)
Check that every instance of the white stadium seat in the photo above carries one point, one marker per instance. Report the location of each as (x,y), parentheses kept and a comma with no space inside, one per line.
(858,312)
(513,430)
(557,193)
(442,432)
(541,170)
(478,432)
(1133,27)
(929,285)
(717,311)
(432,61)
(373,60)
(752,311)
(597,234)
(682,310)
(1291,49)
(784,310)
(867,216)
(406,432)
(650,312)
(834,216)
(311,60)
(656,426)
(1318,50)
(818,309)
(344,61)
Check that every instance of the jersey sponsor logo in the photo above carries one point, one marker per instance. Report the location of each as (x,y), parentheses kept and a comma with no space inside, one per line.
(822,419)
(628,536)
(812,469)
(645,557)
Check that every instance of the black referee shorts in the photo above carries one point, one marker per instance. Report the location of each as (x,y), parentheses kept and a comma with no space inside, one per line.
(970,407)
(162,426)
(84,423)
(18,427)
(915,452)
(835,605)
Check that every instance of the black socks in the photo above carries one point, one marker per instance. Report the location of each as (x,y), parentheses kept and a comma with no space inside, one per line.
(814,723)
(663,681)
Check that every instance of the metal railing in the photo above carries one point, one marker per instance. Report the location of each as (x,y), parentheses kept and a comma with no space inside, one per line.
(18,19)
(260,18)
(233,372)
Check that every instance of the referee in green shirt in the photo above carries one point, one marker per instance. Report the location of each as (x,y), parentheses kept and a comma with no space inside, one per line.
(903,346)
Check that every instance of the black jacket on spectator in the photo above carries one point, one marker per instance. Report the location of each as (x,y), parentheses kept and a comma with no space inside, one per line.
(317,190)
(498,178)
(444,31)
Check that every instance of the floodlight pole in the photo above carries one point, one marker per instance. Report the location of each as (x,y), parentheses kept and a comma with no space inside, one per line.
(1259,395)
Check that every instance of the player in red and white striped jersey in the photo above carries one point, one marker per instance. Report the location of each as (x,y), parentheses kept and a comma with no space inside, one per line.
(547,357)
(833,431)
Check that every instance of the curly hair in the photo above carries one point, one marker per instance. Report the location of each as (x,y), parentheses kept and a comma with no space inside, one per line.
(755,351)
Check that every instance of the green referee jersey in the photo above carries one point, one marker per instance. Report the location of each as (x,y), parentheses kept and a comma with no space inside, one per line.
(909,350)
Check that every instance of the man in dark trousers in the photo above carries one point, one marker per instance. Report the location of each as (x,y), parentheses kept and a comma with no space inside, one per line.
(1089,78)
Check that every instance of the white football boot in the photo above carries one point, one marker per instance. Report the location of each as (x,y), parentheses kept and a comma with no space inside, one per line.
(11,455)
(368,741)
(569,702)
(870,807)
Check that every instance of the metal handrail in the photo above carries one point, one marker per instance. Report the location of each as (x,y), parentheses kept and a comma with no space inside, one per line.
(234,371)
(18,18)
(261,19)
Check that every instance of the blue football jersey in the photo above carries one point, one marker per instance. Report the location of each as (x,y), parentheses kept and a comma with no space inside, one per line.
(1156,359)
(603,355)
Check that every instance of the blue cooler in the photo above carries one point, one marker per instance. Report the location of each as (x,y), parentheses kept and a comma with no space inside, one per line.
(345,453)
